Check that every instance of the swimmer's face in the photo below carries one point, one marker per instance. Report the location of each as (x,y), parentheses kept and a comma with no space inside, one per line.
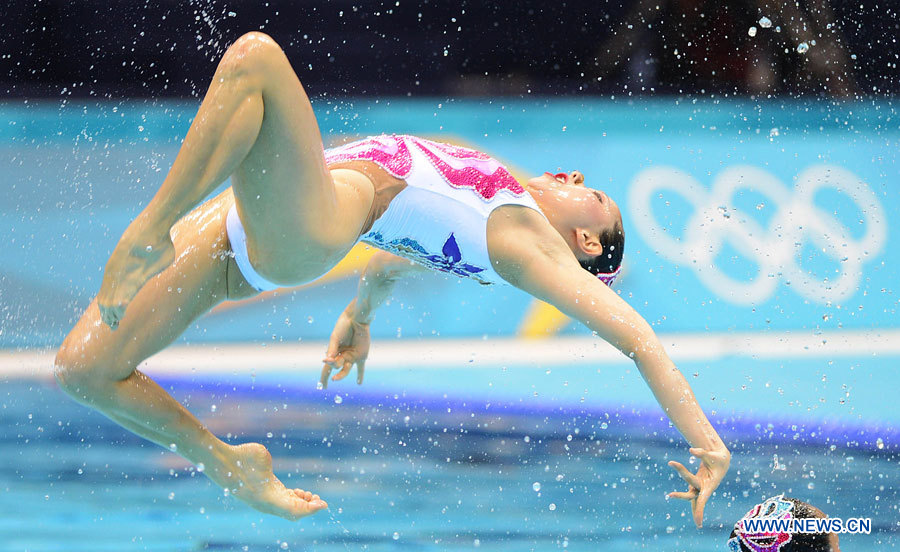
(579,213)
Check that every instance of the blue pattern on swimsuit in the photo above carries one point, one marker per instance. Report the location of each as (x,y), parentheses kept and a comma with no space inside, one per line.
(449,261)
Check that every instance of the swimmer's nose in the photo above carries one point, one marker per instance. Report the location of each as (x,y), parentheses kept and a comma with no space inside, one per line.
(578,178)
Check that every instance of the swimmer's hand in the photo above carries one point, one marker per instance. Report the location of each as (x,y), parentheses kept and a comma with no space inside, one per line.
(349,345)
(714,464)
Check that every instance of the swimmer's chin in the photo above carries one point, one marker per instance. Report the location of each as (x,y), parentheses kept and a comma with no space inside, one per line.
(532,187)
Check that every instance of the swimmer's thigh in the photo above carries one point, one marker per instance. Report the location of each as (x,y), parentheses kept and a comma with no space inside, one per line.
(161,311)
(283,188)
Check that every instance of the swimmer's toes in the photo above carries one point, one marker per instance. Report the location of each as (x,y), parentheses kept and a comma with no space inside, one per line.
(297,506)
(109,316)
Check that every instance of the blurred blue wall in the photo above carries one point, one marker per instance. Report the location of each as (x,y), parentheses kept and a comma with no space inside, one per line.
(739,216)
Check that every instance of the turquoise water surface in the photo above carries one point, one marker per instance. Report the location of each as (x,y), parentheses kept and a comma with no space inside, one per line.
(404,474)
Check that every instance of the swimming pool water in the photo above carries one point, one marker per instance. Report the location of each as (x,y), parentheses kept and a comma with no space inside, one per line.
(437,459)
(400,474)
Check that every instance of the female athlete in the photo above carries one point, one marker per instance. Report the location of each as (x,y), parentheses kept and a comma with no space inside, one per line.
(292,213)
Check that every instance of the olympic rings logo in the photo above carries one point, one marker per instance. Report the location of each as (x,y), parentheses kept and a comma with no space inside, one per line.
(774,248)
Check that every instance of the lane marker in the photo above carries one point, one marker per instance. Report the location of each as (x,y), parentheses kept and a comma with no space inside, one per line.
(229,358)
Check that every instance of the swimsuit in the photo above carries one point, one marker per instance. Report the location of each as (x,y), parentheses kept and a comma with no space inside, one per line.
(437,219)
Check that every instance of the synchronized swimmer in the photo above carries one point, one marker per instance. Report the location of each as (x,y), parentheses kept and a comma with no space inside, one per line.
(292,212)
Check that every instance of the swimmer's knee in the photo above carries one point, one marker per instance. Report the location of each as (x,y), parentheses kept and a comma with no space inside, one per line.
(68,370)
(79,374)
(253,51)
(71,370)
(253,38)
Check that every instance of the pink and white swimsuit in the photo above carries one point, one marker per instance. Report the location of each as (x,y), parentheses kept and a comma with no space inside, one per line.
(439,219)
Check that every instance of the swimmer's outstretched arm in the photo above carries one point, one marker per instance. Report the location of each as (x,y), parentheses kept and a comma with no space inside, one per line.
(543,266)
(546,268)
(349,343)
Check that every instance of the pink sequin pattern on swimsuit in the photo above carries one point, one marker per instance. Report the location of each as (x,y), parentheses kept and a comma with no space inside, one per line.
(460,167)
(387,152)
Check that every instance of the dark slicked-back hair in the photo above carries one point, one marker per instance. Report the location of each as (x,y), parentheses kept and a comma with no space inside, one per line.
(613,241)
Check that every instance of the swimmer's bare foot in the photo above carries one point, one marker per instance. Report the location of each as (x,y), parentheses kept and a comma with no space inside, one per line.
(139,256)
(252,480)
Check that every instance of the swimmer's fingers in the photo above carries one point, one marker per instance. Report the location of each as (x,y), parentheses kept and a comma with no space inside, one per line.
(714,465)
(332,351)
(329,364)
(689,495)
(347,366)
(698,505)
(323,379)
(347,361)
(685,474)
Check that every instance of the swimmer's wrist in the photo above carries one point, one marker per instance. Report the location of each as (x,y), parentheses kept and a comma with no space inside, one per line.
(357,317)
(719,446)
(360,322)
(707,439)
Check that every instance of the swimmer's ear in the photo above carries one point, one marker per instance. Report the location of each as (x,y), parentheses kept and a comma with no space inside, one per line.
(588,242)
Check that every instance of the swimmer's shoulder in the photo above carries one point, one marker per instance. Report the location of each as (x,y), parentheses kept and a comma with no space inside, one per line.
(519,237)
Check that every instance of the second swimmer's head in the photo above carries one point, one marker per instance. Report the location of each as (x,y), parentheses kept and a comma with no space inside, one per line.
(745,538)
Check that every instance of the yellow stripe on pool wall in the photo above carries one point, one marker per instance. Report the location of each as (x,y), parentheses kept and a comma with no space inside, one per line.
(542,320)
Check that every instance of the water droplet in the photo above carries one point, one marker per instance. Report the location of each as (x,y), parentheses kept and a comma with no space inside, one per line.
(396,536)
(552,506)
(201,467)
(284,545)
(232,14)
(879,443)
(604,425)
(310,320)
(173,447)
(149,248)
(536,486)
(765,22)
(171,496)
(751,31)
(212,408)
(269,434)
(338,399)
(802,48)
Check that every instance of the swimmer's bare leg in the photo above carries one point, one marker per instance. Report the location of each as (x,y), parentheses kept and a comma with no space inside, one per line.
(255,124)
(220,136)
(97,365)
